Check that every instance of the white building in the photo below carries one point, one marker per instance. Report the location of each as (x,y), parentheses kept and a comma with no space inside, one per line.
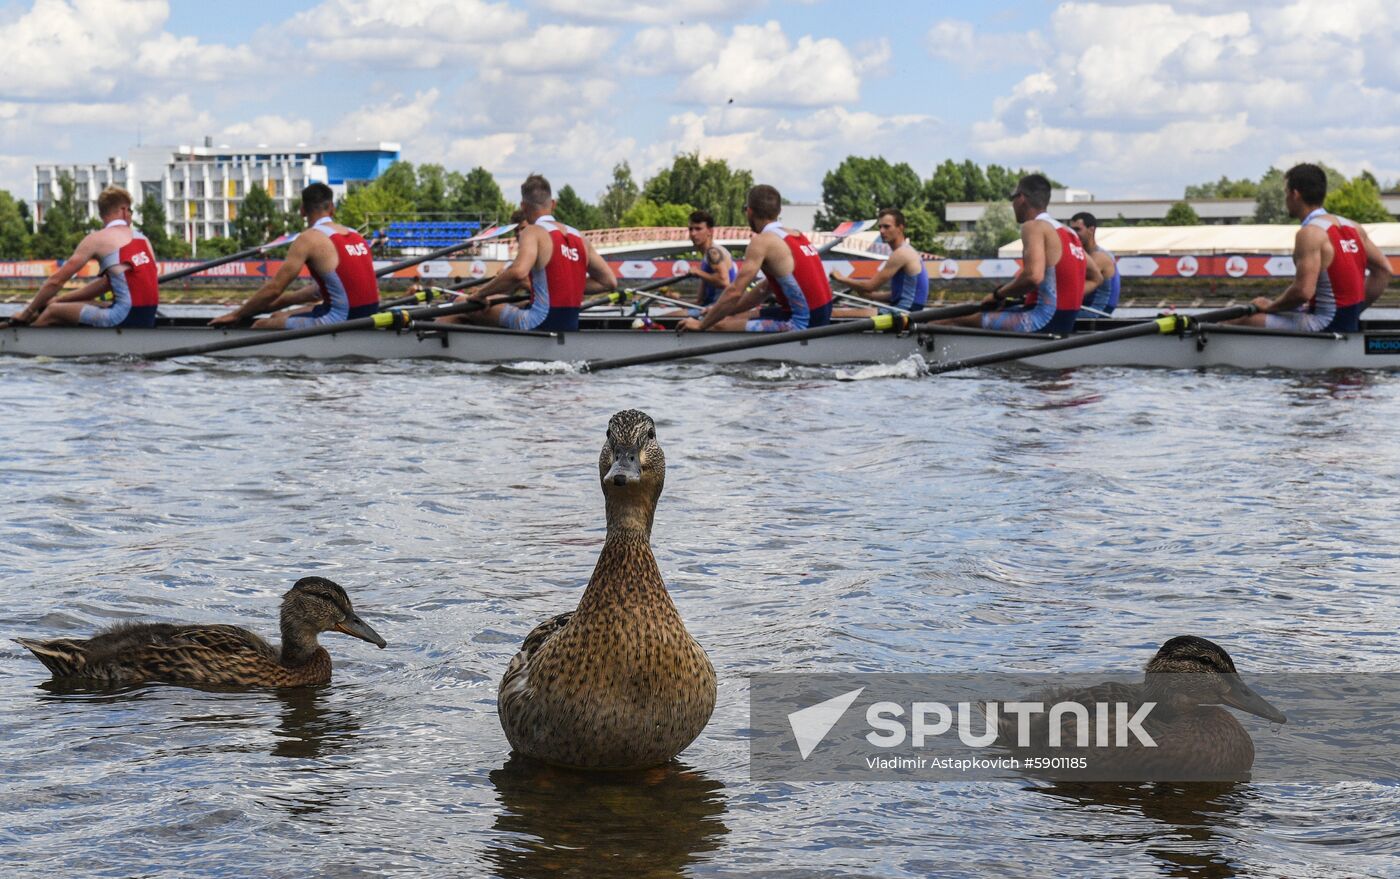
(202,186)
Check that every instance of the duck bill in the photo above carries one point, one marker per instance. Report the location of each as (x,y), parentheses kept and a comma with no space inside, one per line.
(1242,697)
(353,625)
(626,467)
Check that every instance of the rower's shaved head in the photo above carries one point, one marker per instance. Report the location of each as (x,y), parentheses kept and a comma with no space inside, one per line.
(765,201)
(536,192)
(317,199)
(1036,190)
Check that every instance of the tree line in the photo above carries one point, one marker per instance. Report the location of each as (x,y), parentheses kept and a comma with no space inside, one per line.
(856,189)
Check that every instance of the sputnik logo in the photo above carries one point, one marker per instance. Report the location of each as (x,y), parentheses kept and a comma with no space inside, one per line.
(811,724)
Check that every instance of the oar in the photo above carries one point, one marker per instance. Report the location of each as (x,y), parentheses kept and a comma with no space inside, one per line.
(842,232)
(887,323)
(619,297)
(870,302)
(426,294)
(224,260)
(1166,325)
(394,319)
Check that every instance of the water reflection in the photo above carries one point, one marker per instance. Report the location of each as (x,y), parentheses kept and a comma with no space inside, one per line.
(1335,384)
(559,823)
(1188,829)
(310,726)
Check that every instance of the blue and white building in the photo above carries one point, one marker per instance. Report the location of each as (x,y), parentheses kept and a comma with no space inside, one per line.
(202,186)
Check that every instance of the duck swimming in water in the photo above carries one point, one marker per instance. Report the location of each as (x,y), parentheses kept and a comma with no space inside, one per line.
(618,683)
(1195,739)
(178,653)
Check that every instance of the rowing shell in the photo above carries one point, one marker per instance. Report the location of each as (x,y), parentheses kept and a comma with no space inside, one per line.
(1376,347)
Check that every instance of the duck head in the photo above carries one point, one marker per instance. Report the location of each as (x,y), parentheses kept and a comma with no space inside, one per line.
(633,470)
(314,605)
(1188,672)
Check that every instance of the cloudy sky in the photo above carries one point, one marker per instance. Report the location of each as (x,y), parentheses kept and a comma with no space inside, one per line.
(1120,98)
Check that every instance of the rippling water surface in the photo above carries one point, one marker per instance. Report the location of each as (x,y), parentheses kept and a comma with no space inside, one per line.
(990,521)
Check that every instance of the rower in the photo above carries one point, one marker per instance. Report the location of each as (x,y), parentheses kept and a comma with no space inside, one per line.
(1330,257)
(340,263)
(904,271)
(1103,296)
(796,278)
(718,270)
(555,261)
(127,267)
(1054,268)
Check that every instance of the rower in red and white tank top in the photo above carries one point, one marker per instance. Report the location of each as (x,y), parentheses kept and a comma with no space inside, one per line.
(804,297)
(1054,304)
(557,289)
(351,290)
(135,292)
(1346,276)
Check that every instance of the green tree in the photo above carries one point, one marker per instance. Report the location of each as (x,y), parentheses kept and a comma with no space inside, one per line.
(14,230)
(431,191)
(573,210)
(1358,199)
(259,219)
(219,245)
(859,187)
(372,205)
(1269,206)
(401,180)
(947,185)
(709,183)
(63,225)
(1181,214)
(152,225)
(646,212)
(477,194)
(1224,188)
(619,196)
(921,227)
(998,227)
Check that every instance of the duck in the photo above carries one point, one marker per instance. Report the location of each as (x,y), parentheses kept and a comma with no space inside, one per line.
(216,655)
(1195,739)
(617,683)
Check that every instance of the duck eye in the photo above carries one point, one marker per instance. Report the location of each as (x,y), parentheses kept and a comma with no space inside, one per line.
(651,434)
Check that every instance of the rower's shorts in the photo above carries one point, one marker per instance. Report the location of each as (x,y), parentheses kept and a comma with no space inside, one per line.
(1299,321)
(779,320)
(103,316)
(317,317)
(1019,319)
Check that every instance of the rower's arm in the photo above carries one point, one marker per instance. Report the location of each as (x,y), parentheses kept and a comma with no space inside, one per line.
(1032,270)
(722,262)
(1377,270)
(85,251)
(737,293)
(1307,264)
(1093,275)
(517,274)
(88,292)
(303,295)
(876,287)
(600,275)
(267,294)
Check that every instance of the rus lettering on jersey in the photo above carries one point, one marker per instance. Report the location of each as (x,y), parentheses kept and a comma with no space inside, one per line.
(1349,246)
(357,249)
(570,253)
(809,250)
(1076,251)
(139,259)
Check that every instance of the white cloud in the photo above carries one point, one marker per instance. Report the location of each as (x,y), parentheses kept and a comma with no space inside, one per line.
(648,11)
(267,129)
(959,43)
(759,66)
(552,48)
(406,33)
(83,49)
(396,119)
(673,49)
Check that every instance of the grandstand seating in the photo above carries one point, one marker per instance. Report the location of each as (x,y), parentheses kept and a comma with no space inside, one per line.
(427,234)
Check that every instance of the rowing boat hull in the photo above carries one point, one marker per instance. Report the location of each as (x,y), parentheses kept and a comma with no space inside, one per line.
(1378,347)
